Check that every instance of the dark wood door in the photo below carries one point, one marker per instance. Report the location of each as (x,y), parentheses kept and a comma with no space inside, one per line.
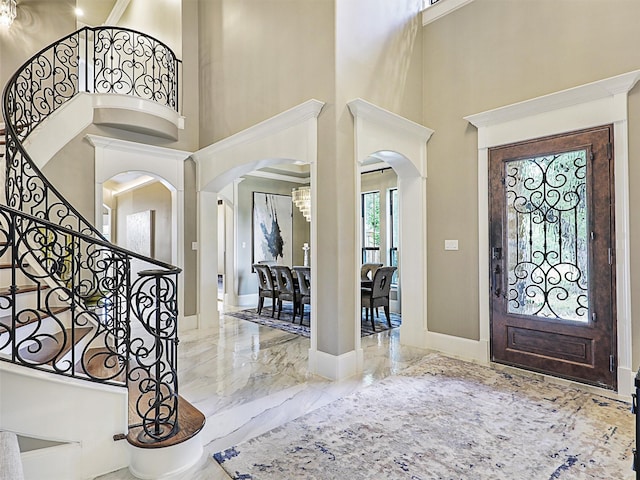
(552,256)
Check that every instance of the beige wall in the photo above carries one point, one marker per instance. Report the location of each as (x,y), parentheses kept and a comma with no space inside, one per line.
(37,24)
(154,197)
(261,57)
(159,18)
(492,53)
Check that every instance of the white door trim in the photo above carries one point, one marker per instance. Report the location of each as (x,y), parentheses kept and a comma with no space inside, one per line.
(598,103)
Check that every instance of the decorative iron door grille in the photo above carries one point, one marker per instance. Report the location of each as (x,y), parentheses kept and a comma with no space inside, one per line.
(547,236)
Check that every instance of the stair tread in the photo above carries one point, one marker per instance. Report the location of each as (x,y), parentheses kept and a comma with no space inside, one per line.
(190,422)
(6,290)
(94,365)
(5,265)
(27,317)
(49,348)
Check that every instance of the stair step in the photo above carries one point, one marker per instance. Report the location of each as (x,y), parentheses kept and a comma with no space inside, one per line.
(28,297)
(51,347)
(94,365)
(9,265)
(27,317)
(6,291)
(7,271)
(190,422)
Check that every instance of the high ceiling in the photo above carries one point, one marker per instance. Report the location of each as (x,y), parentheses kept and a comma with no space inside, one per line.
(96,12)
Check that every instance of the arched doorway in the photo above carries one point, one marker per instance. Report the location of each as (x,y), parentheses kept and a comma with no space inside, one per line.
(290,137)
(148,163)
(387,139)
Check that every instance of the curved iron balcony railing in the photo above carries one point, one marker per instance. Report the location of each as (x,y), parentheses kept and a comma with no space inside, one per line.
(99,312)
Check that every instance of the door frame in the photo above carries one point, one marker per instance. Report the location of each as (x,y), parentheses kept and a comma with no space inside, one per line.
(599,337)
(590,105)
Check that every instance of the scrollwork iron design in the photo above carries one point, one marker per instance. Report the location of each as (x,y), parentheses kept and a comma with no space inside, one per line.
(154,305)
(78,322)
(547,227)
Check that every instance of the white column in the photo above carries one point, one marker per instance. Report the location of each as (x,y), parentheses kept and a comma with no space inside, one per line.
(412,262)
(208,314)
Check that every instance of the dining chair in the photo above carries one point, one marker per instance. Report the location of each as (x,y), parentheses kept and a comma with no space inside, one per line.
(287,291)
(266,287)
(368,270)
(304,284)
(378,294)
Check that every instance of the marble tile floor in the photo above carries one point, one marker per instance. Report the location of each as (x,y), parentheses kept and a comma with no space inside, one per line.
(248,379)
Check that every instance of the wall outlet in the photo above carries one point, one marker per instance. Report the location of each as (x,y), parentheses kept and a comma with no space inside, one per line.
(194,245)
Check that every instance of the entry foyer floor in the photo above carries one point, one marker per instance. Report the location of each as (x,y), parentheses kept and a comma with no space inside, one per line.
(248,379)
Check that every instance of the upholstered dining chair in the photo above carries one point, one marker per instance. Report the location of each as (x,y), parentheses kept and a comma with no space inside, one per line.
(304,284)
(368,270)
(266,287)
(378,294)
(287,291)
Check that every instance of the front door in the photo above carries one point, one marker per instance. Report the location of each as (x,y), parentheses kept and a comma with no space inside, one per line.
(552,257)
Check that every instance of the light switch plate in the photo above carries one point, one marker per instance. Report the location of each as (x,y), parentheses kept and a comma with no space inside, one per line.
(451,244)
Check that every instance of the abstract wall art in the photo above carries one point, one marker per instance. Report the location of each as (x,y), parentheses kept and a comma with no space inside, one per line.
(272,228)
(140,233)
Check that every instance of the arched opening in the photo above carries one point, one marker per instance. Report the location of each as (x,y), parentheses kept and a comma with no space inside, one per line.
(408,254)
(147,164)
(236,194)
(384,138)
(287,138)
(140,207)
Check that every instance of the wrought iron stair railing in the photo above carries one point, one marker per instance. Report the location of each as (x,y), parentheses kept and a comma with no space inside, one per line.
(100,312)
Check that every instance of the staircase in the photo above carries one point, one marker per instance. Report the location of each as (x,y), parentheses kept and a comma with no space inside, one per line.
(70,300)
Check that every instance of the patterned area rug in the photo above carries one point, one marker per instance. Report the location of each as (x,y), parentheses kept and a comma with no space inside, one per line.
(448,419)
(286,324)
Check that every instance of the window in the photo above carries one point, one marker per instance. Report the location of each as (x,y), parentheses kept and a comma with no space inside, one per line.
(371,227)
(394,221)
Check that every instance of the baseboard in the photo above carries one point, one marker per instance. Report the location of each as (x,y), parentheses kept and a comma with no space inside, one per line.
(334,367)
(463,348)
(250,300)
(626,382)
(188,323)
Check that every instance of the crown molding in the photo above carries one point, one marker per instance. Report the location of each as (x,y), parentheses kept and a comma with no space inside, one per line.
(282,121)
(440,9)
(138,148)
(279,176)
(362,109)
(116,12)
(570,97)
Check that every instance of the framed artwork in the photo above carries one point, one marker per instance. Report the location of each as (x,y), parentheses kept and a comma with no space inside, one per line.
(140,233)
(272,228)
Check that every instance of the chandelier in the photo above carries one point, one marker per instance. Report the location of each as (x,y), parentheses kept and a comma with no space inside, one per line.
(302,199)
(7,12)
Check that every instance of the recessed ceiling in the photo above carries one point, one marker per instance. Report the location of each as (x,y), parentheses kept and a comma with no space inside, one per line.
(126,181)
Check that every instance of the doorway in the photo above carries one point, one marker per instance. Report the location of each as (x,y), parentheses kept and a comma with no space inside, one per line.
(552,261)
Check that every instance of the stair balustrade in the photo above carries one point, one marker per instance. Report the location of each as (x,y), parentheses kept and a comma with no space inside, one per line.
(98,312)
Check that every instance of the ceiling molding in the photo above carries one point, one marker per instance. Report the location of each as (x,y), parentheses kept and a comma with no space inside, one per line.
(279,176)
(440,9)
(116,12)
(143,181)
